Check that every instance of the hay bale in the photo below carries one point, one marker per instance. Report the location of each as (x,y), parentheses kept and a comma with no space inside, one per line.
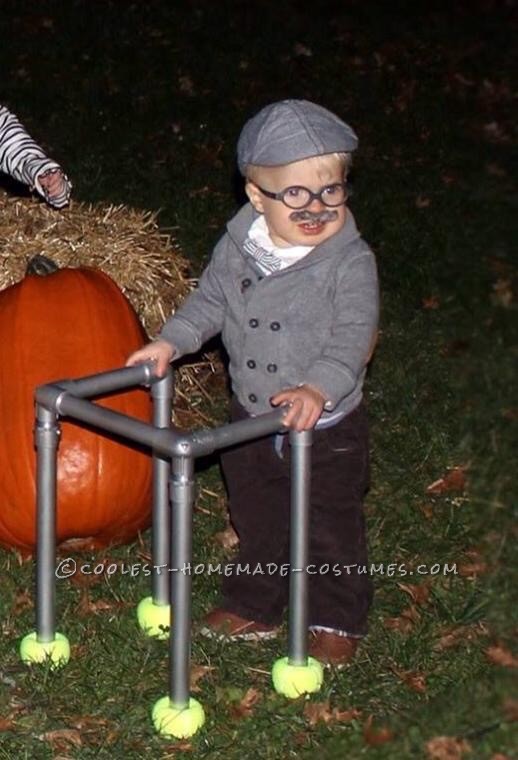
(125,243)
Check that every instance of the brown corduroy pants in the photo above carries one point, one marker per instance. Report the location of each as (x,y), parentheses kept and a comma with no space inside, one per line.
(258,484)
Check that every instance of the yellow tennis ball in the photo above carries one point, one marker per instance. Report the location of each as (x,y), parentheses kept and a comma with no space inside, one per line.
(154,619)
(180,722)
(293,680)
(33,651)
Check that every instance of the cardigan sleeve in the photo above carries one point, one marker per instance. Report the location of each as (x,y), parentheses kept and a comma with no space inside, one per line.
(202,314)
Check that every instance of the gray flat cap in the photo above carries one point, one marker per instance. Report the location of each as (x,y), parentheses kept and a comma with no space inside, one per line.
(291,130)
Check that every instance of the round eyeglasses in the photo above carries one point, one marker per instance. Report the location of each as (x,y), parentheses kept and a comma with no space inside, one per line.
(298,197)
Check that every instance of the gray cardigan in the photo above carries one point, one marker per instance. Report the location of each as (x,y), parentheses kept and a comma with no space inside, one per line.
(312,322)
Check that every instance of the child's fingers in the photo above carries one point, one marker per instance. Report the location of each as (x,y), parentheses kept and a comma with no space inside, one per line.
(135,358)
(291,417)
(162,364)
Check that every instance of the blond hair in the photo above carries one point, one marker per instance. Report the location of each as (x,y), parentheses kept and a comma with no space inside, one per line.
(324,164)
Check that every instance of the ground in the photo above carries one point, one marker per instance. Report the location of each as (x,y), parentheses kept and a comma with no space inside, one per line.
(142,104)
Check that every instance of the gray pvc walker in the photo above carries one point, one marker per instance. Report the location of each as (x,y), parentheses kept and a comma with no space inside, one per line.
(177,714)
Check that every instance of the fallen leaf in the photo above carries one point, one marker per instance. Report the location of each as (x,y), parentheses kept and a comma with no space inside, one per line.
(245,707)
(418,592)
(22,601)
(455,348)
(446,748)
(405,95)
(461,79)
(495,92)
(472,569)
(404,622)
(432,302)
(449,178)
(186,85)
(376,736)
(499,756)
(345,716)
(422,201)
(414,681)
(495,132)
(88,722)
(454,480)
(87,607)
(499,655)
(510,708)
(302,50)
(300,738)
(426,510)
(171,749)
(198,672)
(318,711)
(400,624)
(321,711)
(82,580)
(6,724)
(62,738)
(495,170)
(227,538)
(451,637)
(503,294)
(145,556)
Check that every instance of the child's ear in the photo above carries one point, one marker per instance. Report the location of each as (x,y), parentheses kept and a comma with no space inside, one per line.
(255,197)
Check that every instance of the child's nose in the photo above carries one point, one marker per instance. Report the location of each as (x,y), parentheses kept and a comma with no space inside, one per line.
(315,205)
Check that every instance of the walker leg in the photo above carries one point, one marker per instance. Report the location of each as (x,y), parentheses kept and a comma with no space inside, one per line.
(177,714)
(153,612)
(297,673)
(45,644)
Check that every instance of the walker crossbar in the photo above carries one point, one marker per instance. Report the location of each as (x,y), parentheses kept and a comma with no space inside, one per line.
(174,453)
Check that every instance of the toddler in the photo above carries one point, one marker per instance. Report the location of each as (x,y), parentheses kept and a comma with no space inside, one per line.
(293,289)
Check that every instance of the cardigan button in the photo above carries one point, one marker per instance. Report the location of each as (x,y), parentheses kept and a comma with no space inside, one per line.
(252,397)
(272,367)
(254,322)
(246,283)
(250,363)
(275,326)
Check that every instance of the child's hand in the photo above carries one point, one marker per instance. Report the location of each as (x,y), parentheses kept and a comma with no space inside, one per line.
(158,350)
(54,185)
(307,404)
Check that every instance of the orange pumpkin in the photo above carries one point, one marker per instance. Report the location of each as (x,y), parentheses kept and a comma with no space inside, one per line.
(67,324)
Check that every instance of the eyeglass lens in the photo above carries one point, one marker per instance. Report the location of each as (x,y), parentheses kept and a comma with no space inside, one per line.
(298,197)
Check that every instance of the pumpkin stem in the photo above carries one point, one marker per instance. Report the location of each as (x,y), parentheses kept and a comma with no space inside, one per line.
(41,265)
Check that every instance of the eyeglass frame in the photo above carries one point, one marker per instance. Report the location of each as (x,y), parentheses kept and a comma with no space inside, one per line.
(312,196)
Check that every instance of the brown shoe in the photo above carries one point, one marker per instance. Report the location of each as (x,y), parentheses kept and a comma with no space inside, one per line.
(331,649)
(220,624)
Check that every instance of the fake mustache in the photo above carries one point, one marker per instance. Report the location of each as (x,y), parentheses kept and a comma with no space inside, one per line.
(313,216)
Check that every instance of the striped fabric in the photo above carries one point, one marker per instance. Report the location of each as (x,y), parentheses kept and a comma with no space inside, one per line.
(24,160)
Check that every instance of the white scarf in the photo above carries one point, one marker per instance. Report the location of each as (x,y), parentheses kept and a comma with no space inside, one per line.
(271,258)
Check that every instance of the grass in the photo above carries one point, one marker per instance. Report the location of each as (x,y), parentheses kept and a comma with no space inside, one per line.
(142,103)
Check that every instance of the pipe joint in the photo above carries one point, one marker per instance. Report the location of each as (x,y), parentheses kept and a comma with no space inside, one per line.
(181,489)
(302,439)
(162,388)
(46,435)
(181,447)
(49,396)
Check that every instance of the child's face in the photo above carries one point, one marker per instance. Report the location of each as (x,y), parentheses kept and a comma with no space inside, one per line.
(288,226)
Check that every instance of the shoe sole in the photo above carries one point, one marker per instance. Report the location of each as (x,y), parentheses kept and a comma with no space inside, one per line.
(210,633)
(334,666)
